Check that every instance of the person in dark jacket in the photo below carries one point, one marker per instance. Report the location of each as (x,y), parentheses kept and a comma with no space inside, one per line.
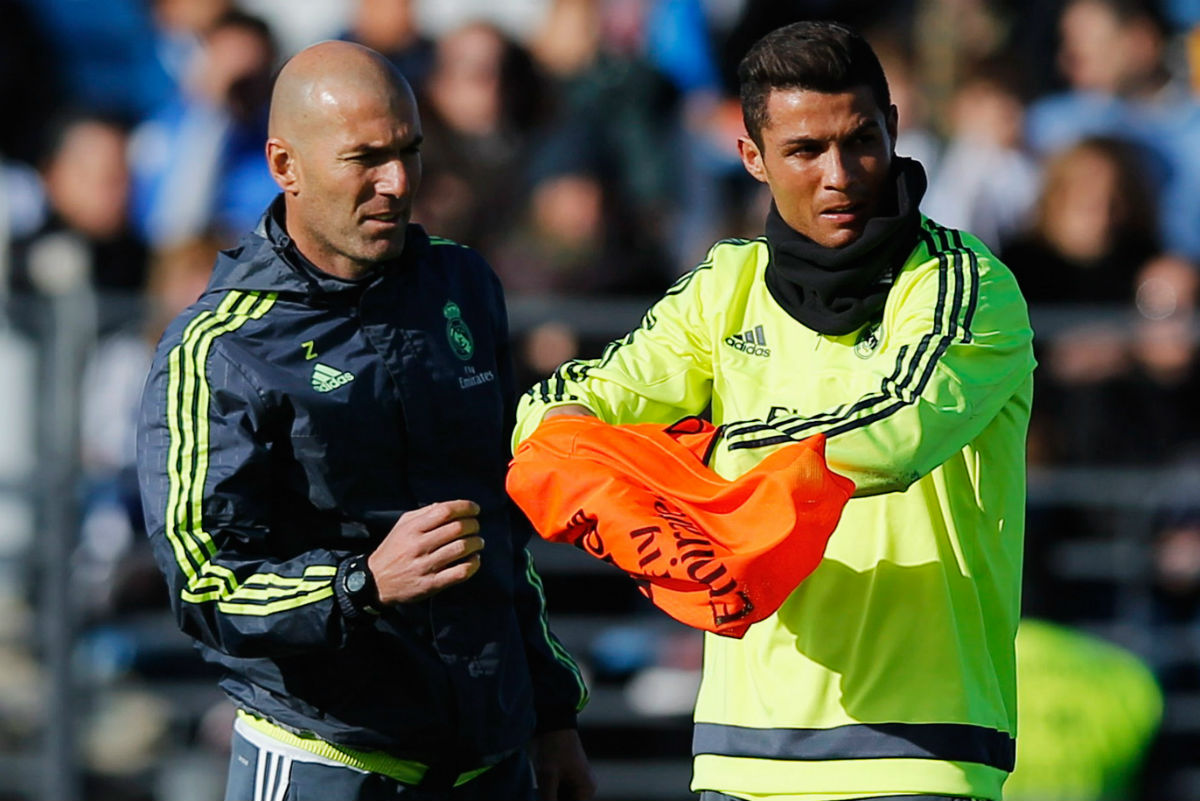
(321,451)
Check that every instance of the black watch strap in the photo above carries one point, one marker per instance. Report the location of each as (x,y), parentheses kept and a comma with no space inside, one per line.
(355,587)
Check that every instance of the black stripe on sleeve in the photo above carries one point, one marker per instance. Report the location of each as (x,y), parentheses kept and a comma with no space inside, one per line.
(920,368)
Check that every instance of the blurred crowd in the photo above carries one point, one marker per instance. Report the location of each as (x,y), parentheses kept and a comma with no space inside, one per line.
(587,149)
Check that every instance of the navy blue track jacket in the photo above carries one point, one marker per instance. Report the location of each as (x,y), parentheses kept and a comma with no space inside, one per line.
(289,419)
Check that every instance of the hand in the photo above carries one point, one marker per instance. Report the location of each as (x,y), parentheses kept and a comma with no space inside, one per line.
(561,767)
(573,409)
(428,550)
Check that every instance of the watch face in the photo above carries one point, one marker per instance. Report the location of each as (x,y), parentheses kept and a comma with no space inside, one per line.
(356,580)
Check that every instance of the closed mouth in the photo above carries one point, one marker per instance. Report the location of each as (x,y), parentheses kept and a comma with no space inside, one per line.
(385,218)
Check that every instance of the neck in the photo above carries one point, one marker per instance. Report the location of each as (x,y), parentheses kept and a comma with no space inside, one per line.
(319,253)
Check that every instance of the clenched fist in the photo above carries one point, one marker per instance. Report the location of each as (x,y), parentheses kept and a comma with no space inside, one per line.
(428,550)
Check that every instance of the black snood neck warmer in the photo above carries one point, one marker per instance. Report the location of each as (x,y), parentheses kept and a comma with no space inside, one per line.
(835,290)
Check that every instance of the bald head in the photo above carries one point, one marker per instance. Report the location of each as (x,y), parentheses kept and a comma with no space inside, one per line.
(343,144)
(321,79)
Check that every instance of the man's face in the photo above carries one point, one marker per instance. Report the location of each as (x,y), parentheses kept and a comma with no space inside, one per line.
(356,170)
(233,71)
(1091,54)
(87,180)
(825,157)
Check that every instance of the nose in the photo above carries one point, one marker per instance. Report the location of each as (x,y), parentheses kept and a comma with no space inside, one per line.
(391,179)
(837,169)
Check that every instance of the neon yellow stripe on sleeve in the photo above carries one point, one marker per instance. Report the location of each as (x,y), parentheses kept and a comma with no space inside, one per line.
(560,653)
(188,398)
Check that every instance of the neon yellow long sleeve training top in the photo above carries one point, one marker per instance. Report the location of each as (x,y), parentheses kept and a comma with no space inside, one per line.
(890,670)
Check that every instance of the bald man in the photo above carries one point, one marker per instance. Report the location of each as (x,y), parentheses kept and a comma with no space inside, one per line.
(321,453)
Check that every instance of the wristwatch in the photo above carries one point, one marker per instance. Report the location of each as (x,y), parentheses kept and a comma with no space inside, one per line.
(358,586)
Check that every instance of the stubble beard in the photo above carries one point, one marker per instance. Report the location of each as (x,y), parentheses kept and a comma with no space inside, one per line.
(354,253)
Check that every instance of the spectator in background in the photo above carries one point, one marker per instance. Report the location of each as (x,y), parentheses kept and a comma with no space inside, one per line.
(179,31)
(1113,54)
(87,239)
(574,239)
(390,27)
(1164,382)
(614,105)
(985,182)
(198,162)
(1113,48)
(482,101)
(1094,227)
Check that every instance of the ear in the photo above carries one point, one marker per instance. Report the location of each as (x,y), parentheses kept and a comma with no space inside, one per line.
(893,123)
(281,161)
(752,158)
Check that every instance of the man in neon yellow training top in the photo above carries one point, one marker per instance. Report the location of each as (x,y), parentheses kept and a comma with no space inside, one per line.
(890,671)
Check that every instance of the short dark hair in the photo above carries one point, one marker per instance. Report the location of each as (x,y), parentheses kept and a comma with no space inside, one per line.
(254,25)
(816,56)
(65,121)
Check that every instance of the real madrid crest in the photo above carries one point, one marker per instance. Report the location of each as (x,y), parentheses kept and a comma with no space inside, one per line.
(457,332)
(868,342)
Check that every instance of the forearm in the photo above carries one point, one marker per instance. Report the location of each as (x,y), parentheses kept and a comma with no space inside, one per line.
(570,410)
(247,607)
(659,372)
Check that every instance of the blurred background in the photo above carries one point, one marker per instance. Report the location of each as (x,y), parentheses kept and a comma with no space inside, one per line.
(587,149)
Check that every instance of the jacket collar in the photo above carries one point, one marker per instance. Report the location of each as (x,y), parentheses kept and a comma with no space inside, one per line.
(266,260)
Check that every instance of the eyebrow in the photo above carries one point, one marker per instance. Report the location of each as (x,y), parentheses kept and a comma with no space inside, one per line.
(803,140)
(369,149)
